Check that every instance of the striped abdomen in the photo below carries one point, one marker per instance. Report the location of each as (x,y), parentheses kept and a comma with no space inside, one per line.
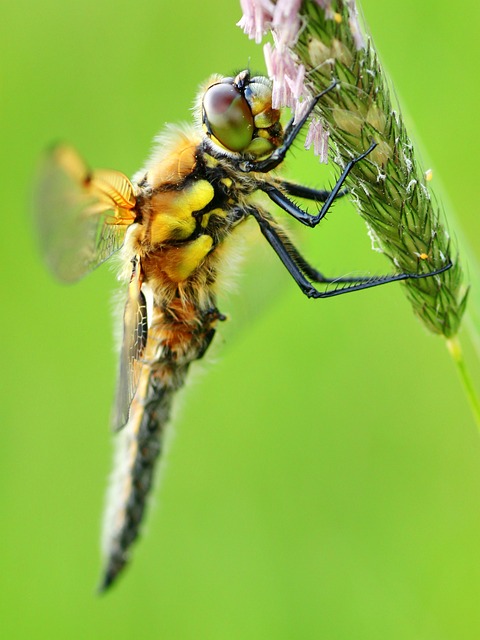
(173,343)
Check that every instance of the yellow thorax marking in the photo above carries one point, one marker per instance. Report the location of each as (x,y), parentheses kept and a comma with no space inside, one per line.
(174,218)
(214,212)
(182,261)
(211,162)
(227,182)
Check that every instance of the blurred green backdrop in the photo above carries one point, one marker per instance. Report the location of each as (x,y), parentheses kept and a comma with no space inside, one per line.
(323,476)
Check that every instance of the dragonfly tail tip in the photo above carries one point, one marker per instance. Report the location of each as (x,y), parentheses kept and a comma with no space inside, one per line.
(110,576)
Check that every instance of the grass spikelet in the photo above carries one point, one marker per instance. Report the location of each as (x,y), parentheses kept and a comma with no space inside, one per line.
(322,40)
(314,43)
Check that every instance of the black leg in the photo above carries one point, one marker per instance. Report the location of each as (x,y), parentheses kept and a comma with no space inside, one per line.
(291,132)
(303,216)
(288,258)
(300,191)
(305,267)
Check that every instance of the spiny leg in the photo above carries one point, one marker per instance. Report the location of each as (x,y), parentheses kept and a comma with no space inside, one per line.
(290,258)
(300,191)
(303,216)
(302,263)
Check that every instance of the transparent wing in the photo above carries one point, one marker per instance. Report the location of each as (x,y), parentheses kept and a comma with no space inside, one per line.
(135,331)
(81,215)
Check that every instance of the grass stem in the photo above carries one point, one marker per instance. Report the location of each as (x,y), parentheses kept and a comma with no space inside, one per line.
(455,349)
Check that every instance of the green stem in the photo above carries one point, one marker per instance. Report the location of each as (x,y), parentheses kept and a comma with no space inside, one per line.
(455,349)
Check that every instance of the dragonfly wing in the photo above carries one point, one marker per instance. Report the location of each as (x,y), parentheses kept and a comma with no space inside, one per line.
(135,332)
(81,215)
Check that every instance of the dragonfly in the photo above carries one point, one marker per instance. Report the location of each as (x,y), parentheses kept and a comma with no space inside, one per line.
(169,226)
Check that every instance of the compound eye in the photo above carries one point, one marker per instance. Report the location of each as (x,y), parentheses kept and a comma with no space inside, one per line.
(228,117)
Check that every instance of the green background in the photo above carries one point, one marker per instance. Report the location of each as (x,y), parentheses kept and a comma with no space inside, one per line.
(322,479)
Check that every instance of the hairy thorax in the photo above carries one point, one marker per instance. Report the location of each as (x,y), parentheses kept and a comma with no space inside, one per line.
(188,203)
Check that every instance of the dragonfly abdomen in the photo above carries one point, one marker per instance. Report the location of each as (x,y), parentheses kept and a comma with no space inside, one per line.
(139,444)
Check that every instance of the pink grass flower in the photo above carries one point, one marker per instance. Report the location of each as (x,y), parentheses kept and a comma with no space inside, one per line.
(318,136)
(286,21)
(284,72)
(257,18)
(354,25)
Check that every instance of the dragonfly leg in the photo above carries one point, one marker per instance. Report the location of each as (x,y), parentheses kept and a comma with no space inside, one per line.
(297,212)
(317,195)
(212,315)
(300,269)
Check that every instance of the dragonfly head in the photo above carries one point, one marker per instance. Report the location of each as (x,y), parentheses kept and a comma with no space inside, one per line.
(237,115)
